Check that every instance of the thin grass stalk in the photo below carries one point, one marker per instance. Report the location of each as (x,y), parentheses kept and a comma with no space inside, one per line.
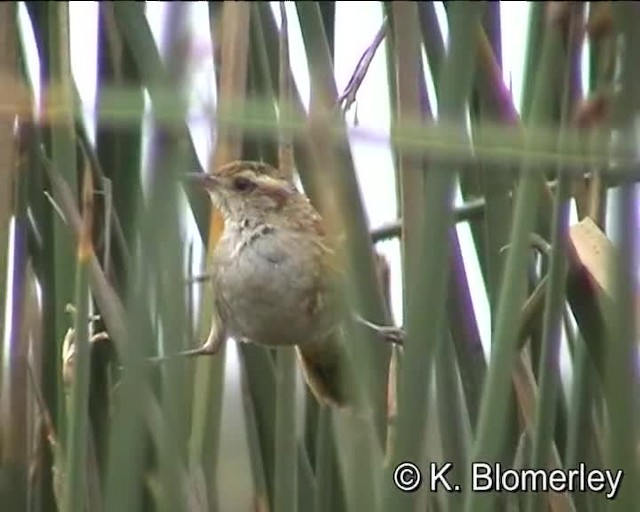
(580,433)
(327,173)
(78,432)
(323,450)
(264,69)
(527,396)
(311,418)
(208,382)
(412,105)
(9,74)
(63,154)
(175,415)
(392,87)
(305,491)
(161,242)
(454,419)
(147,61)
(118,150)
(549,370)
(566,78)
(496,144)
(533,56)
(13,390)
(541,23)
(230,40)
(494,105)
(601,72)
(45,357)
(574,96)
(469,211)
(136,33)
(263,64)
(492,24)
(621,377)
(359,460)
(406,46)
(425,328)
(549,364)
(115,160)
(338,495)
(489,441)
(257,364)
(410,175)
(270,63)
(11,208)
(331,168)
(587,309)
(494,93)
(123,470)
(39,469)
(599,187)
(412,98)
(257,463)
(135,402)
(465,334)
(259,397)
(621,366)
(491,102)
(432,39)
(285,470)
(259,147)
(121,491)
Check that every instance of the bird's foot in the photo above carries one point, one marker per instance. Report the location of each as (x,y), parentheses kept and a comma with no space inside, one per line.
(391,334)
(209,348)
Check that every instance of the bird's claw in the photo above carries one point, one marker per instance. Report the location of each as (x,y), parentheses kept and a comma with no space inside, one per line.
(209,348)
(391,334)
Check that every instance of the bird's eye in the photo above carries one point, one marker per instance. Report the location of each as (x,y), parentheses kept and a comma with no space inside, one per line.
(242,184)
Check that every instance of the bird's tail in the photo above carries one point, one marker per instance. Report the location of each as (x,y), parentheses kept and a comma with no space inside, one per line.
(327,370)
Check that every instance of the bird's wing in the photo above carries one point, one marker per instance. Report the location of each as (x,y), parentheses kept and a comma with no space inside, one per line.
(331,277)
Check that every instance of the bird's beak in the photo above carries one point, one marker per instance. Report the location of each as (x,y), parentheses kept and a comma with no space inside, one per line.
(203,179)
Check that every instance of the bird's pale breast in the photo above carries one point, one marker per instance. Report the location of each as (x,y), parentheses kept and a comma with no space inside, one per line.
(270,285)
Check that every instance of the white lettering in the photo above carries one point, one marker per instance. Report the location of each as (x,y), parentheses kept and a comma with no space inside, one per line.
(614,484)
(438,476)
(538,479)
(595,480)
(491,477)
(509,474)
(557,480)
(481,472)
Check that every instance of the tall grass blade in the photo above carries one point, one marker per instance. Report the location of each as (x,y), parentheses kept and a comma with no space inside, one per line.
(488,444)
(425,329)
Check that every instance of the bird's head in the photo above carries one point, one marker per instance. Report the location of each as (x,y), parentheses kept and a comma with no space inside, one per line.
(244,189)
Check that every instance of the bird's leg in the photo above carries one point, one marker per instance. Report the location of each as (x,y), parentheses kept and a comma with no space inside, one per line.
(216,338)
(201,278)
(391,334)
(210,347)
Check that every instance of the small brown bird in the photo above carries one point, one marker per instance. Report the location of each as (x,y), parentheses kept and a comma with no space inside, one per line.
(275,275)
